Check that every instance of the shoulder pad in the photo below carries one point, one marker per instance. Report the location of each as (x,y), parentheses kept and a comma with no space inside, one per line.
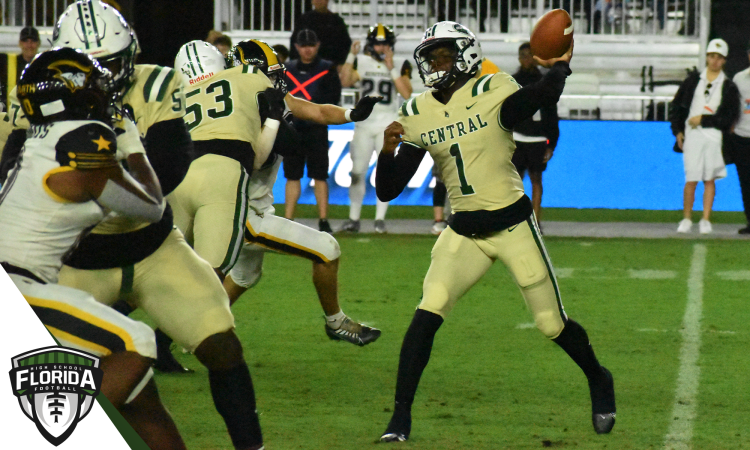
(482,85)
(409,108)
(246,68)
(90,146)
(157,83)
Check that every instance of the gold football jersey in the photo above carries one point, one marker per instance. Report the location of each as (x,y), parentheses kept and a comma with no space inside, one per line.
(155,95)
(225,106)
(465,139)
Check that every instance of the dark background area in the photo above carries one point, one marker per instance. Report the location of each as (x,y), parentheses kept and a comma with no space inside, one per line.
(163,26)
(730,20)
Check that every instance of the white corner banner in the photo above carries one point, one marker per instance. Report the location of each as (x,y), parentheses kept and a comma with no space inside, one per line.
(35,421)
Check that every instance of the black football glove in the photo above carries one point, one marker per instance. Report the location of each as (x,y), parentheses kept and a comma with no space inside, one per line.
(363,108)
(406,69)
(275,100)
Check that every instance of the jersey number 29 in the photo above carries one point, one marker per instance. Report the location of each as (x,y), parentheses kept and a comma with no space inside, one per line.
(385,87)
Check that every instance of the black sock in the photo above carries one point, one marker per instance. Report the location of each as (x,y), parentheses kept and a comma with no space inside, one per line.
(123,307)
(574,340)
(415,354)
(163,342)
(234,398)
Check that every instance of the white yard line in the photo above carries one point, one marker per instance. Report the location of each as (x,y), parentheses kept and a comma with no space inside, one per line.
(685,403)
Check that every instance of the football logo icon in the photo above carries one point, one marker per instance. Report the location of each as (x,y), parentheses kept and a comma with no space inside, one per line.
(56,388)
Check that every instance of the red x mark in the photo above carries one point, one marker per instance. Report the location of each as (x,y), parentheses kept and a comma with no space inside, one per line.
(301,87)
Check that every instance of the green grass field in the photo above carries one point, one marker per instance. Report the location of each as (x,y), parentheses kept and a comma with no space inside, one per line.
(494,382)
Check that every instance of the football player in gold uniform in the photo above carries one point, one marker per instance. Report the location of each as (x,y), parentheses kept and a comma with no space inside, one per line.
(66,181)
(146,263)
(465,122)
(266,232)
(211,203)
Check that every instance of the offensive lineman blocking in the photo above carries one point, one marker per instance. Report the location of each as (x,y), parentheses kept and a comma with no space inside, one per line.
(465,124)
(264,231)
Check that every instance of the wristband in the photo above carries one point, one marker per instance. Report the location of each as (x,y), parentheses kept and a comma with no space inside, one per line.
(273,124)
(348,115)
(395,73)
(350,58)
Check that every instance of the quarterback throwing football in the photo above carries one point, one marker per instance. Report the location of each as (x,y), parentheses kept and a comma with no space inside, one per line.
(465,122)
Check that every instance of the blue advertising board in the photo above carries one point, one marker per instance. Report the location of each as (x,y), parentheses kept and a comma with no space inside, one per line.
(597,164)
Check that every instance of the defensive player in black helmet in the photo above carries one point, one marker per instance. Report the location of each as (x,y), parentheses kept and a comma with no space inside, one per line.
(466,124)
(264,231)
(66,180)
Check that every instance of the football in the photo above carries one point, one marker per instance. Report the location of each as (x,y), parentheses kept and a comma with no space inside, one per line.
(552,34)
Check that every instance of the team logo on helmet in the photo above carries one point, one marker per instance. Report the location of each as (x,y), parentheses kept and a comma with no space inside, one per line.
(73,80)
(56,387)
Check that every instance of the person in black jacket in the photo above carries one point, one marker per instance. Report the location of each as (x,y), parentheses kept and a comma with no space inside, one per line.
(536,137)
(315,80)
(335,42)
(706,106)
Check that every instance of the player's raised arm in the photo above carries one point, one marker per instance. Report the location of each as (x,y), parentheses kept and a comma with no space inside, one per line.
(524,103)
(395,171)
(348,73)
(400,80)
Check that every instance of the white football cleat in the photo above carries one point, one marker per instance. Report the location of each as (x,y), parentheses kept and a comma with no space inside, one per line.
(704,226)
(685,226)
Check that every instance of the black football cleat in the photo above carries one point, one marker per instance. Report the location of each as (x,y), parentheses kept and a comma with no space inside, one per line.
(603,409)
(168,364)
(354,332)
(165,360)
(399,427)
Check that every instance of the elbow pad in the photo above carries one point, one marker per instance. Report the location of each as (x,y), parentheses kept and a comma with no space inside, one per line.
(126,203)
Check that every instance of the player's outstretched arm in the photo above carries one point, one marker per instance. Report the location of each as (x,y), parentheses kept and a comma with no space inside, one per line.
(331,114)
(525,102)
(395,171)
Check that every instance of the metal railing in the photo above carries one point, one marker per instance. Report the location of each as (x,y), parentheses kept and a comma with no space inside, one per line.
(614,107)
(37,13)
(614,17)
(588,107)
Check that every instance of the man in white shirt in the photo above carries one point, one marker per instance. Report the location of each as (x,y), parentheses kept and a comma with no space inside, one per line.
(741,141)
(705,107)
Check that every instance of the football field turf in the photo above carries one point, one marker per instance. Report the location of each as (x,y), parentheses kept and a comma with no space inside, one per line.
(494,381)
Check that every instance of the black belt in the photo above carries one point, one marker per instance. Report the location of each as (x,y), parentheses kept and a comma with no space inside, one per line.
(10,268)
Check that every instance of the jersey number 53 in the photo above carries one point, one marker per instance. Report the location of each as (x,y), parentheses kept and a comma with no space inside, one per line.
(223,105)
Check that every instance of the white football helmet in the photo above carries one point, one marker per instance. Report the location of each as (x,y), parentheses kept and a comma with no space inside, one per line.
(468,53)
(99,30)
(198,60)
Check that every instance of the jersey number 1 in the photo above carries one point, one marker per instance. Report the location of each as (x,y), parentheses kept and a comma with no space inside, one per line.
(466,188)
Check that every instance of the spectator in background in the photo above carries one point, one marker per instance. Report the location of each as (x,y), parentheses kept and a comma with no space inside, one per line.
(536,137)
(220,41)
(316,80)
(740,141)
(282,53)
(705,106)
(223,43)
(11,64)
(330,27)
